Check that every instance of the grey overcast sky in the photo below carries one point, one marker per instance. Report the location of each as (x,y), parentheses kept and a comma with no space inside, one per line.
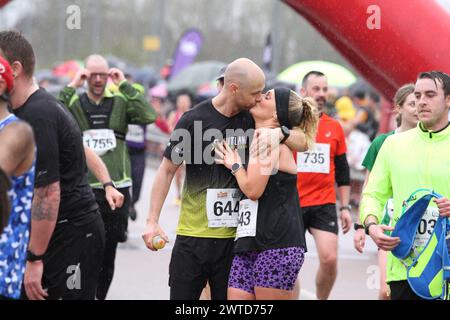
(20,8)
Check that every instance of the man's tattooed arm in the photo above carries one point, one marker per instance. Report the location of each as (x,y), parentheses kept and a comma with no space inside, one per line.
(44,214)
(46,202)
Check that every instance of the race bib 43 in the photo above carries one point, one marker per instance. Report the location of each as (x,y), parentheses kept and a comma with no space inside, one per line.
(248,214)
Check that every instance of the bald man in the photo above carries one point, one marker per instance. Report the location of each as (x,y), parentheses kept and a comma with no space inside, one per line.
(210,199)
(103,117)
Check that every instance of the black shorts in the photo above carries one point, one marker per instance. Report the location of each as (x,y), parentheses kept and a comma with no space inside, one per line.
(323,217)
(197,260)
(400,290)
(73,260)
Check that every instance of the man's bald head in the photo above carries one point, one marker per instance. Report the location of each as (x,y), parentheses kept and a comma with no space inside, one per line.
(245,81)
(96,61)
(99,73)
(243,72)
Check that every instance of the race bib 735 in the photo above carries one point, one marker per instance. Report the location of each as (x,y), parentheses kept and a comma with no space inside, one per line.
(316,160)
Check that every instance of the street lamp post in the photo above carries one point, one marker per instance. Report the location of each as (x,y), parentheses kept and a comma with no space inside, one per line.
(275,36)
(96,27)
(62,25)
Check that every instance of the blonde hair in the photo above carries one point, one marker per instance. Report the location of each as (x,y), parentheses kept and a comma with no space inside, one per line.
(303,116)
(400,98)
(402,93)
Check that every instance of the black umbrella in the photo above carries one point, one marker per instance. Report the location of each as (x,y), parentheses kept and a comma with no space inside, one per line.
(195,75)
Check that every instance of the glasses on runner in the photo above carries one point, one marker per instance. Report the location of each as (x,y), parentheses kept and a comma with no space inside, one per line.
(103,76)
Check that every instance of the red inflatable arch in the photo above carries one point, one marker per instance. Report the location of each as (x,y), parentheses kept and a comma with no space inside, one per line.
(411,38)
(3,2)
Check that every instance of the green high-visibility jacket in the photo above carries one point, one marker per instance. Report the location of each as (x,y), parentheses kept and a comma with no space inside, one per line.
(128,107)
(407,161)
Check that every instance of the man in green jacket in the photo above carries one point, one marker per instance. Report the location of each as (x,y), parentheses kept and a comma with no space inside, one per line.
(104,117)
(418,158)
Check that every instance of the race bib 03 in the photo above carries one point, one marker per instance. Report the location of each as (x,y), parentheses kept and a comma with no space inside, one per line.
(426,226)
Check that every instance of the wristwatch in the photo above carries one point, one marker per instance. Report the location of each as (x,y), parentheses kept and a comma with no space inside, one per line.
(347,207)
(286,133)
(368,226)
(33,257)
(357,226)
(235,167)
(109,183)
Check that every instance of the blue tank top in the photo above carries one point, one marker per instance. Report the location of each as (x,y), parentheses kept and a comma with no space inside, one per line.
(15,236)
